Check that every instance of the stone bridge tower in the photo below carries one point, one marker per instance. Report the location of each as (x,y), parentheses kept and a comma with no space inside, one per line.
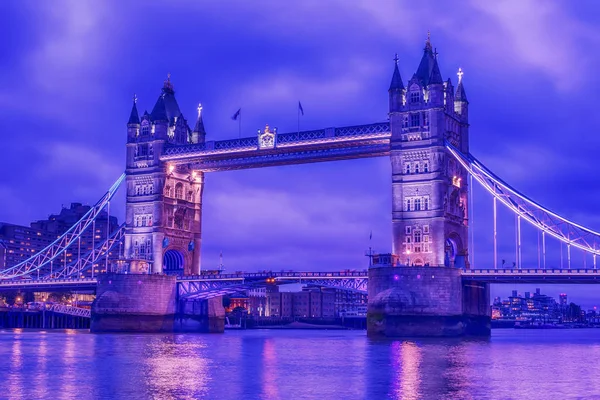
(164,202)
(419,290)
(429,187)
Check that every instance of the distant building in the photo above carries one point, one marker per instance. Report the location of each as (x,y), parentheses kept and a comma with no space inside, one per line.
(311,302)
(18,243)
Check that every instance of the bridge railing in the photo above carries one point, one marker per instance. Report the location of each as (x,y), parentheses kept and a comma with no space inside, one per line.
(71,310)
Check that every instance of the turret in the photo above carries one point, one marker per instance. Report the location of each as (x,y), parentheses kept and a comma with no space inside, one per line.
(461,104)
(396,90)
(133,125)
(199,134)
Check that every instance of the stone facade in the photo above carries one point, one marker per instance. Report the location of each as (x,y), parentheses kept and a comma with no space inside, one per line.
(426,301)
(418,290)
(429,187)
(164,202)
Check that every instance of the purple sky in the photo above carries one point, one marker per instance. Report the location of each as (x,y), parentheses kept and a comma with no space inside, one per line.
(70,71)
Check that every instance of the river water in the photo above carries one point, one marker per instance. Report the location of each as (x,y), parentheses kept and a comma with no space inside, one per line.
(295,364)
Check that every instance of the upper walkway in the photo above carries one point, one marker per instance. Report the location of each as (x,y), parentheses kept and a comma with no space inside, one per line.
(371,140)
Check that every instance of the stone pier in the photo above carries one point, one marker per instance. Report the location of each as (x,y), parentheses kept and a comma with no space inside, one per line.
(148,303)
(134,303)
(427,302)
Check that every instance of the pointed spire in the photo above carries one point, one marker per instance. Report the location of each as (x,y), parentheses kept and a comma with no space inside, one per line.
(134,117)
(436,75)
(199,128)
(429,71)
(460,95)
(168,86)
(159,112)
(396,78)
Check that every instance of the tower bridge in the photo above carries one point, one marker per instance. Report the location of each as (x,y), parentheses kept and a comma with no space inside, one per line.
(428,285)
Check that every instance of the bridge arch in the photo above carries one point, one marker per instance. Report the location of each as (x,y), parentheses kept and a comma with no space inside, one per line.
(174,262)
(454,251)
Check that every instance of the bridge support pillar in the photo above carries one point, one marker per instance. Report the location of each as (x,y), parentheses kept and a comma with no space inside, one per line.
(206,315)
(134,303)
(426,302)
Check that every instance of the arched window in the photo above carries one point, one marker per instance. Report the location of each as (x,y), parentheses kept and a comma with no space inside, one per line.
(417,204)
(150,189)
(407,169)
(168,191)
(416,168)
(179,191)
(137,189)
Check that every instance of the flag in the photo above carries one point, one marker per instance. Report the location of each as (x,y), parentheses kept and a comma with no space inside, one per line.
(300,108)
(236,115)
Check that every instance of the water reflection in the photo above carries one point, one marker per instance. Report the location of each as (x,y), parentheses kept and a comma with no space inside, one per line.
(176,368)
(270,371)
(297,365)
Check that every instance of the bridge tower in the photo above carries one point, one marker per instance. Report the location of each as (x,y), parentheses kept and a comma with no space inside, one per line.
(418,290)
(164,202)
(429,187)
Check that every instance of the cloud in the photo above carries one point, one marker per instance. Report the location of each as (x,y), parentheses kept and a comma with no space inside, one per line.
(541,35)
(80,169)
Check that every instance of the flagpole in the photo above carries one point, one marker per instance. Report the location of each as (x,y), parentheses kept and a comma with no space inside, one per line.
(298,110)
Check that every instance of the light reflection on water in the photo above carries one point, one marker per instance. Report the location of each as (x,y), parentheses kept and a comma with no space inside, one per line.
(278,364)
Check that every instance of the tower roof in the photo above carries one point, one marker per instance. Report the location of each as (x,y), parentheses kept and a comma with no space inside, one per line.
(429,72)
(396,83)
(134,117)
(460,95)
(166,107)
(199,128)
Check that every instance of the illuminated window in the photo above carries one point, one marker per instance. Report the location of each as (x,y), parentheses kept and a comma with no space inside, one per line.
(417,236)
(426,238)
(456,181)
(179,191)
(415,97)
(145,128)
(414,119)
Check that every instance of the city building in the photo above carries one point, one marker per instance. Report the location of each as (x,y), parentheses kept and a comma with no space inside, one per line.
(18,243)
